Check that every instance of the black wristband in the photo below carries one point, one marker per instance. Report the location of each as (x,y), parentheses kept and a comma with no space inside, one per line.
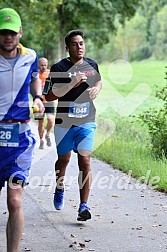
(38,97)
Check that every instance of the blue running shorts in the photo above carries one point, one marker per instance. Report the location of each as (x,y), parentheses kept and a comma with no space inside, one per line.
(76,138)
(15,162)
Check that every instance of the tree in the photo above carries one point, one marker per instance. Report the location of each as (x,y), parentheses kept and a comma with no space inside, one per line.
(39,22)
(160,34)
(130,47)
(150,9)
(46,22)
(96,18)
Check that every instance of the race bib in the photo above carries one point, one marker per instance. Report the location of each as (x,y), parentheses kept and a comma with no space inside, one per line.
(79,110)
(9,134)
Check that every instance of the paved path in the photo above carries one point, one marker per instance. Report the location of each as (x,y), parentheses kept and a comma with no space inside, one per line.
(126,215)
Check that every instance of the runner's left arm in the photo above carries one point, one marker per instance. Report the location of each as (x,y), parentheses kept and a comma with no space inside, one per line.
(36,92)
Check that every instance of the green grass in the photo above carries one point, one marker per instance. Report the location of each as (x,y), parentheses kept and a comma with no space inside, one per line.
(150,73)
(120,139)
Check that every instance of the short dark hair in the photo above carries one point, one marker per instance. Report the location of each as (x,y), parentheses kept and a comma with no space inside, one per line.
(71,34)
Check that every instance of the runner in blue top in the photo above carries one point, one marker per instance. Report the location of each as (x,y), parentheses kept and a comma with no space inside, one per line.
(75,82)
(18,76)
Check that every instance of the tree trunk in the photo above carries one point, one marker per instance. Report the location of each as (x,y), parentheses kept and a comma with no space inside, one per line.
(61,48)
(61,25)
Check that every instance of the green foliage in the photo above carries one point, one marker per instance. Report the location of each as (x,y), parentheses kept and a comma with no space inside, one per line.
(97,17)
(128,43)
(158,31)
(129,29)
(46,22)
(156,120)
(39,27)
(143,36)
(128,147)
(143,52)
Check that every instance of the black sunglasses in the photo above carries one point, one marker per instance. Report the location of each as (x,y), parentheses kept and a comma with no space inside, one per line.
(7,32)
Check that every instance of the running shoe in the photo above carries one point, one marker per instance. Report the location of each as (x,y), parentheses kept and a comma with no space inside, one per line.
(48,141)
(41,146)
(58,200)
(84,212)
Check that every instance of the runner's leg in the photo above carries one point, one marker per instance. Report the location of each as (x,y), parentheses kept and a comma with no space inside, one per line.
(85,177)
(60,169)
(41,128)
(41,132)
(50,123)
(16,218)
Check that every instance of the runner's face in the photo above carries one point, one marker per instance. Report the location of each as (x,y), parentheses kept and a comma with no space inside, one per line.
(43,66)
(9,40)
(76,48)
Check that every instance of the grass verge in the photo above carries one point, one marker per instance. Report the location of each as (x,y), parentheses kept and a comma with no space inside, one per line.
(126,148)
(120,142)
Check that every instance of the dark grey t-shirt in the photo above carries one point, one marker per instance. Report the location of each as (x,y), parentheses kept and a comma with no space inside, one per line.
(75,107)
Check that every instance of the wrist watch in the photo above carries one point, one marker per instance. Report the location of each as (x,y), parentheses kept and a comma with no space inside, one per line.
(38,97)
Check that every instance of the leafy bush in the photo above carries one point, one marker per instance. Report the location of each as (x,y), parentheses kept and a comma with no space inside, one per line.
(156,120)
(141,53)
(160,51)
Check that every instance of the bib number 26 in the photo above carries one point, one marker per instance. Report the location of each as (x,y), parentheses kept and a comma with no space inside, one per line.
(9,134)
(5,135)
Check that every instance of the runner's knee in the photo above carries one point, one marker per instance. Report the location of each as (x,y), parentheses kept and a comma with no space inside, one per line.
(14,203)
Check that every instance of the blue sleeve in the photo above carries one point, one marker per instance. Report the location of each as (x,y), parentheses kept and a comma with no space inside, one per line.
(34,75)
